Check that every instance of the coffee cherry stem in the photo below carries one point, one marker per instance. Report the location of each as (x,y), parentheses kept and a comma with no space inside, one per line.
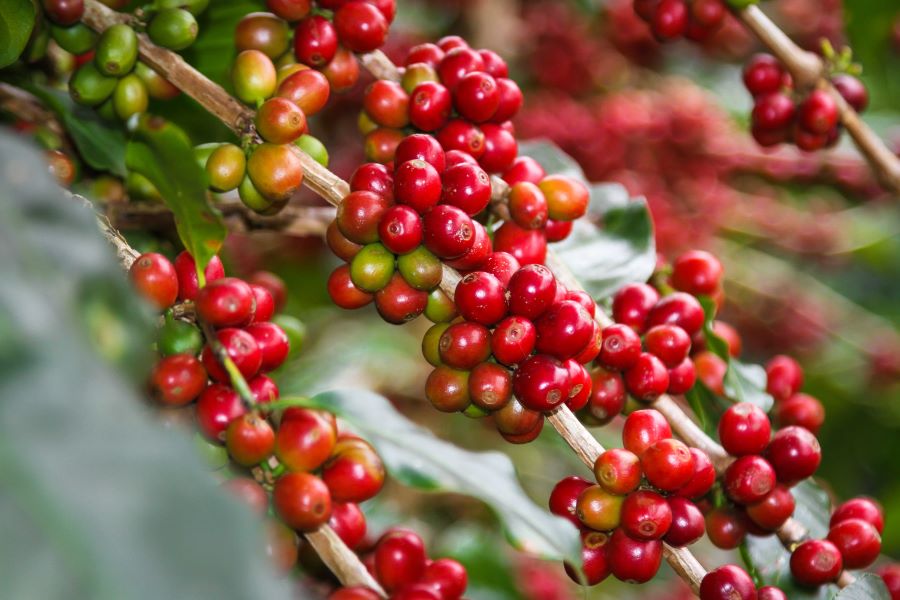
(234,374)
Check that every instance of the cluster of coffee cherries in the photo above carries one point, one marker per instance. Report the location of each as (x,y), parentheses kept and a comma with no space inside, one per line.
(460,94)
(401,566)
(644,496)
(810,121)
(695,20)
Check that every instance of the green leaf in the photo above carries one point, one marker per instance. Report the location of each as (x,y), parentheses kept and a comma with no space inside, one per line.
(100,143)
(17,18)
(162,153)
(417,458)
(868,586)
(552,158)
(97,500)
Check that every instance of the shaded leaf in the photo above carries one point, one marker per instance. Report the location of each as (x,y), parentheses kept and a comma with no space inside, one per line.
(868,586)
(17,18)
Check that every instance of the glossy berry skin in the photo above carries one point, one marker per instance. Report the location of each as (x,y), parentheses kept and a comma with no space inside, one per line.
(749,479)
(474,256)
(618,471)
(500,148)
(802,410)
(423,147)
(621,347)
(343,292)
(155,279)
(594,559)
(446,576)
(598,509)
(526,245)
(703,478)
(607,396)
(771,512)
(178,379)
(373,177)
(866,509)
(458,63)
(398,302)
(315,41)
(564,330)
(464,345)
(64,12)
(490,386)
(511,100)
(302,501)
(532,290)
(524,168)
(669,343)
(643,428)
(816,562)
(567,198)
(687,522)
(818,113)
(697,272)
(289,10)
(527,205)
(263,304)
(387,103)
(348,522)
(794,453)
(263,389)
(784,377)
(241,348)
(725,528)
(579,385)
(852,89)
(447,389)
(186,269)
(728,582)
(249,439)
(461,135)
(541,382)
(679,309)
(501,265)
(224,302)
(682,377)
(513,340)
(273,344)
(763,74)
(476,96)
(429,106)
(632,305)
(305,440)
(770,592)
(360,26)
(467,187)
(515,419)
(858,542)
(667,464)
(400,229)
(400,559)
(354,472)
(646,515)
(359,215)
(647,379)
(216,407)
(773,111)
(670,20)
(633,560)
(744,429)
(564,498)
(480,297)
(449,232)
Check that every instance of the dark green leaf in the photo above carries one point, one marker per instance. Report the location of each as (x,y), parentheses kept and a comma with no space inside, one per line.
(101,143)
(419,459)
(96,499)
(162,153)
(703,402)
(16,24)
(868,586)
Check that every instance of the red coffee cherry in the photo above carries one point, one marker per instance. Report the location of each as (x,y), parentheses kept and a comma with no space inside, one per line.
(643,428)
(450,42)
(771,512)
(458,63)
(343,70)
(532,290)
(400,559)
(516,420)
(178,379)
(500,148)
(280,121)
(527,246)
(607,396)
(241,348)
(373,177)
(354,593)
(710,370)
(770,592)
(186,270)
(448,389)
(490,386)
(477,254)
(305,440)
(618,471)
(263,389)
(744,429)
(670,20)
(476,96)
(564,498)
(216,407)
(416,591)
(863,508)
(464,345)
(763,74)
(481,298)
(302,501)
(387,103)
(527,205)
(458,134)
(289,10)
(632,560)
(794,453)
(749,479)
(354,472)
(803,410)
(541,382)
(249,439)
(646,515)
(647,379)
(816,562)
(315,41)
(818,113)
(697,272)
(224,302)
(398,302)
(590,352)
(501,265)
(594,559)
(273,344)
(64,12)
(669,343)
(427,53)
(667,464)
(564,330)
(858,542)
(784,377)
(360,26)
(359,214)
(400,229)
(524,168)
(343,292)
(679,309)
(449,232)
(725,528)
(429,106)
(423,147)
(682,377)
(773,111)
(446,576)
(567,198)
(155,279)
(852,89)
(728,582)
(687,522)
(467,187)
(513,340)
(579,385)
(511,100)
(348,522)
(308,89)
(598,509)
(703,478)
(263,304)
(621,347)
(633,303)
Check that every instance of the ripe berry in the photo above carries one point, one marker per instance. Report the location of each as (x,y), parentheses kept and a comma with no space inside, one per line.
(501,265)
(302,501)
(343,292)
(464,345)
(567,198)
(670,20)
(446,576)
(607,396)
(511,100)
(263,389)
(527,246)
(646,515)
(803,410)
(315,41)
(866,509)
(687,522)
(744,429)
(643,428)
(763,74)
(155,279)
(784,377)
(541,382)
(354,472)
(387,103)
(429,106)
(794,453)
(481,298)
(564,330)
(476,96)
(667,464)
(728,582)
(348,522)
(474,256)
(579,385)
(467,187)
(618,471)
(263,304)
(679,309)
(632,305)
(373,177)
(858,542)
(697,272)
(249,439)
(305,440)
(500,148)
(682,377)
(178,379)
(564,498)
(647,379)
(669,343)
(462,135)
(359,214)
(749,479)
(458,63)
(513,340)
(621,347)
(64,12)
(422,147)
(428,53)
(532,290)
(275,170)
(632,560)
(725,528)
(289,10)
(771,512)
(343,70)
(372,268)
(770,592)
(400,229)
(773,111)
(398,302)
(400,559)
(598,509)
(527,205)
(818,112)
(354,593)
(360,26)
(816,562)
(449,232)
(216,407)
(490,386)
(852,89)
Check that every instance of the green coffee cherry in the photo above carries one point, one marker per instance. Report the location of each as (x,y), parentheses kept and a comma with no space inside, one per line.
(214,455)
(107,110)
(312,146)
(474,411)
(141,188)
(195,7)
(204,151)
(440,308)
(173,28)
(372,267)
(251,197)
(117,50)
(89,86)
(253,76)
(130,97)
(294,329)
(418,73)
(226,167)
(77,39)
(178,337)
(421,269)
(157,86)
(431,343)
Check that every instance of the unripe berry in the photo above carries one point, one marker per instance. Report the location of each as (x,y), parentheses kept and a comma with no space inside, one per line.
(567,198)
(253,76)
(308,89)
(280,121)
(264,32)
(173,28)
(598,509)
(276,171)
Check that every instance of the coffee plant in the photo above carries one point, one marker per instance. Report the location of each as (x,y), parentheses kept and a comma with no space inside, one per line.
(172,172)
